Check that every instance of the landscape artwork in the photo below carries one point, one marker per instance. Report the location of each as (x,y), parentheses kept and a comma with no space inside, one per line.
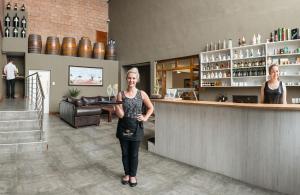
(89,76)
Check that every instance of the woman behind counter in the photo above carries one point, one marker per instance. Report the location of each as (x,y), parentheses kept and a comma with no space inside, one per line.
(273,91)
(130,129)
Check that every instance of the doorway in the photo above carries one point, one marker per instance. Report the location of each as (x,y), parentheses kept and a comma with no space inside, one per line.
(145,76)
(45,81)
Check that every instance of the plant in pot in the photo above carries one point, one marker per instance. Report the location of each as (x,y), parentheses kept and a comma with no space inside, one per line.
(74,92)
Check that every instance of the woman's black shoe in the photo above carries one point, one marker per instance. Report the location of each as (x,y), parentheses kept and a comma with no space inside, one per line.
(132,184)
(124,182)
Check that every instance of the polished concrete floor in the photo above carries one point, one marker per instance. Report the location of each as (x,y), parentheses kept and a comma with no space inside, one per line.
(87,161)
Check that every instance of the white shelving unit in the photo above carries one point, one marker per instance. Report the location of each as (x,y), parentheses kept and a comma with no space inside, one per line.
(215,69)
(287,55)
(247,66)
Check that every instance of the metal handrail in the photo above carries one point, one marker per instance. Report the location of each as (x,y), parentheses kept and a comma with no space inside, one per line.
(35,97)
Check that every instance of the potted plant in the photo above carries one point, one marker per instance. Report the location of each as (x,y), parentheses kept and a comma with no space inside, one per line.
(74,92)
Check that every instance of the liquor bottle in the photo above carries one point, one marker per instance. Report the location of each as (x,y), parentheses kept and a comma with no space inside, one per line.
(23,22)
(16,21)
(16,7)
(23,8)
(23,33)
(272,37)
(7,21)
(15,32)
(8,6)
(6,32)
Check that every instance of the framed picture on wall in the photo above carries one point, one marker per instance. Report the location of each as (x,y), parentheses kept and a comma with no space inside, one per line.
(85,76)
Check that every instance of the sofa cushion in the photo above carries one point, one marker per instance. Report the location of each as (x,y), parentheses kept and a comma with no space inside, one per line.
(89,100)
(76,102)
(88,110)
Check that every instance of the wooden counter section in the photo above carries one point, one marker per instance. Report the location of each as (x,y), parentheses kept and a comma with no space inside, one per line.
(231,104)
(255,143)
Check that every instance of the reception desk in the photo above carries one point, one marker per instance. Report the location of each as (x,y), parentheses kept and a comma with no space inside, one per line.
(255,143)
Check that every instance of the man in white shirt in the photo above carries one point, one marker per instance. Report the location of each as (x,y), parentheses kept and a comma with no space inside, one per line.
(10,70)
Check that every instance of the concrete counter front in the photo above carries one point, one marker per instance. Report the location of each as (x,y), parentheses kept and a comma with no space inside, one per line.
(255,143)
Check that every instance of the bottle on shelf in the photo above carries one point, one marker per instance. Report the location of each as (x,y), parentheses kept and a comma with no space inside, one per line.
(254,40)
(8,6)
(6,32)
(23,8)
(7,21)
(23,22)
(15,32)
(16,7)
(16,21)
(258,39)
(23,33)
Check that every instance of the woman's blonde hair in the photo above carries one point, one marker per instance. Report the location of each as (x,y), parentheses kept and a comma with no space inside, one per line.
(135,71)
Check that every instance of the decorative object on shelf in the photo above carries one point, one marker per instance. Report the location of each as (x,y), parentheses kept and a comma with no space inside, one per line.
(52,45)
(74,92)
(23,8)
(219,45)
(111,50)
(254,40)
(229,43)
(224,44)
(295,33)
(258,39)
(16,7)
(16,21)
(85,47)
(7,21)
(34,43)
(69,46)
(99,50)
(8,6)
(23,22)
(15,32)
(240,42)
(6,32)
(23,33)
(207,47)
(243,41)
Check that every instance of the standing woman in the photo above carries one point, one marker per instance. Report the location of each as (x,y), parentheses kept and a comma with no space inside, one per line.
(130,128)
(273,91)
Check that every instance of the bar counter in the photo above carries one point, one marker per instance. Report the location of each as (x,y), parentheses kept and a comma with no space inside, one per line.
(255,143)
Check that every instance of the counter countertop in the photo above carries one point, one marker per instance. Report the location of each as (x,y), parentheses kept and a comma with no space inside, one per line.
(231,104)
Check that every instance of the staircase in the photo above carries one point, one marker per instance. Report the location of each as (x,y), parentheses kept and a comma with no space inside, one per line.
(20,131)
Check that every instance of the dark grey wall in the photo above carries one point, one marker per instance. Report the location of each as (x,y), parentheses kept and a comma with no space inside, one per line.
(58,65)
(161,29)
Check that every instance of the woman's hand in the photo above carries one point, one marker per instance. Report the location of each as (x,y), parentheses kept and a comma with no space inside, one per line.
(141,117)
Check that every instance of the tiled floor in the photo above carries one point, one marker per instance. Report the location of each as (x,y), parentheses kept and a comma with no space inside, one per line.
(87,161)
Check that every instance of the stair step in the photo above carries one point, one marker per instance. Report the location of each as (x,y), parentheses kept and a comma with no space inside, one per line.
(15,137)
(18,115)
(39,146)
(19,125)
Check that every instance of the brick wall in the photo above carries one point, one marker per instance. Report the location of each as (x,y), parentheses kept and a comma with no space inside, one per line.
(62,18)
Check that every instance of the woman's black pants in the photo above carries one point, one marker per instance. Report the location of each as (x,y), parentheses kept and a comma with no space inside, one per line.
(130,151)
